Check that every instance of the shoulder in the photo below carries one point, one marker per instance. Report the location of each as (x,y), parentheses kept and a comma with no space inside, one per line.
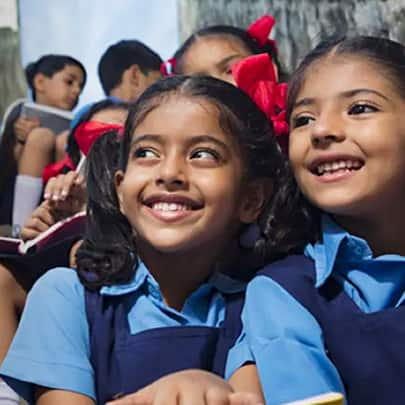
(60,282)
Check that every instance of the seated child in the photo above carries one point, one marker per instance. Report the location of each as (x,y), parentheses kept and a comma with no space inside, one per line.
(332,320)
(199,168)
(214,50)
(26,147)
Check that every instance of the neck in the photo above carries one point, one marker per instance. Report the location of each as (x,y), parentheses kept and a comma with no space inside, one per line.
(122,93)
(383,232)
(178,274)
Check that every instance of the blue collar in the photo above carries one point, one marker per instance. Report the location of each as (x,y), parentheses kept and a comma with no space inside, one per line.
(219,281)
(336,242)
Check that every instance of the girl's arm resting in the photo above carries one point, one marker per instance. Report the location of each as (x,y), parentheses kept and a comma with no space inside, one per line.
(45,396)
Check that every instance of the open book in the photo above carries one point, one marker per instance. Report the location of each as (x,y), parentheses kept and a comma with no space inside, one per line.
(73,225)
(55,119)
(331,398)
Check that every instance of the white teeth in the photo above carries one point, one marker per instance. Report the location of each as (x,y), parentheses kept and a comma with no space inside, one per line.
(163,206)
(338,165)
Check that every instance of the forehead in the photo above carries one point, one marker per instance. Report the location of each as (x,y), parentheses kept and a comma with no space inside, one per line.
(72,70)
(210,50)
(111,116)
(339,73)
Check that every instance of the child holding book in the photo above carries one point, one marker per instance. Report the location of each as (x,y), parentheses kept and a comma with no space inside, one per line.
(198,166)
(26,147)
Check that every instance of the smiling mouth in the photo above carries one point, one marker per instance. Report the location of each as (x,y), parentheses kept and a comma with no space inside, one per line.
(336,167)
(170,207)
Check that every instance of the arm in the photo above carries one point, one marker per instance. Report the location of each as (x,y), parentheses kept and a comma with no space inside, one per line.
(51,397)
(51,346)
(285,341)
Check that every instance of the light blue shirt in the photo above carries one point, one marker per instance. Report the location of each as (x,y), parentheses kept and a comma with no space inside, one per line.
(51,347)
(285,340)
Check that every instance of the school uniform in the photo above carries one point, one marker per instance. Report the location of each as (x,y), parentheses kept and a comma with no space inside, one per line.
(332,320)
(119,340)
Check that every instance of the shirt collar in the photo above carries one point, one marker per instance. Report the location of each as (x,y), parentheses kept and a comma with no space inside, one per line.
(220,281)
(336,243)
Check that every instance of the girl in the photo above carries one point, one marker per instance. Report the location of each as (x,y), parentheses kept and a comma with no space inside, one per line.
(198,165)
(65,195)
(214,50)
(335,316)
(26,147)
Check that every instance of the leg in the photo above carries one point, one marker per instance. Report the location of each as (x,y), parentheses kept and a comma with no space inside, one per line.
(37,153)
(60,145)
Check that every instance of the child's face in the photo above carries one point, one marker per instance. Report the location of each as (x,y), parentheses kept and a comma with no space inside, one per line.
(214,56)
(182,189)
(347,138)
(62,90)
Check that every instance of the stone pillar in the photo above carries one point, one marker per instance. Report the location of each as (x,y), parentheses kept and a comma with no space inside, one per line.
(12,79)
(300,23)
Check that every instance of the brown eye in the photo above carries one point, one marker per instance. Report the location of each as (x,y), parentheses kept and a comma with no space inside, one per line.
(362,109)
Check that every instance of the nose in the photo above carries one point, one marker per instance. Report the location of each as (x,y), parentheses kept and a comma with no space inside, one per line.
(76,88)
(327,128)
(172,172)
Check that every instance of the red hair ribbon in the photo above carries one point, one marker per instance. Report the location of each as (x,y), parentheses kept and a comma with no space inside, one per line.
(256,76)
(167,67)
(85,134)
(261,29)
(88,132)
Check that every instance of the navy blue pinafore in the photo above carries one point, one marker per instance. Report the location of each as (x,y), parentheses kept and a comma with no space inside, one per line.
(368,350)
(124,363)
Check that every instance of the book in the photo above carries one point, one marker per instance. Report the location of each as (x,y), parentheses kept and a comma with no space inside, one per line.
(55,119)
(59,231)
(331,398)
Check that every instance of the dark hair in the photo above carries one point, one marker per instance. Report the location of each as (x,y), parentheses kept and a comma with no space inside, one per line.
(72,147)
(388,55)
(285,226)
(48,65)
(231,32)
(120,56)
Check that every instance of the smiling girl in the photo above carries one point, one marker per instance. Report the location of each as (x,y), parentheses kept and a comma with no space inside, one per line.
(333,319)
(198,167)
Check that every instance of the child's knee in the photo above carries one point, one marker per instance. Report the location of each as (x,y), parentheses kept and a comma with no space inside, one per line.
(40,139)
(10,289)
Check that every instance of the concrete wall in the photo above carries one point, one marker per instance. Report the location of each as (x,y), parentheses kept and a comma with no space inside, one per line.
(12,79)
(300,23)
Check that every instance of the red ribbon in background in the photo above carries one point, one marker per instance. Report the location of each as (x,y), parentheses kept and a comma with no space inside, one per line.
(85,134)
(167,68)
(256,76)
(261,29)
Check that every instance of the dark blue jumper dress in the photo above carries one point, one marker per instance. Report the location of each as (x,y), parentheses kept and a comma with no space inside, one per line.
(124,363)
(368,350)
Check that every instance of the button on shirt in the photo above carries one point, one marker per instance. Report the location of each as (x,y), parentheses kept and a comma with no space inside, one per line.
(51,347)
(285,340)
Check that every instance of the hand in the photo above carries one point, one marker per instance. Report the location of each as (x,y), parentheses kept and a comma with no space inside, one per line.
(189,387)
(23,126)
(40,220)
(67,193)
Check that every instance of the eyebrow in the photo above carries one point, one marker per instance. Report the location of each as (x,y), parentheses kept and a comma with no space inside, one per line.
(192,141)
(346,94)
(229,58)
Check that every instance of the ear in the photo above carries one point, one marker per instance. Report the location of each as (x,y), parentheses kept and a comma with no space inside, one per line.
(118,179)
(39,82)
(255,196)
(135,75)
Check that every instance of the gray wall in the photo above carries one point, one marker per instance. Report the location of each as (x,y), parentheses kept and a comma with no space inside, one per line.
(300,23)
(12,80)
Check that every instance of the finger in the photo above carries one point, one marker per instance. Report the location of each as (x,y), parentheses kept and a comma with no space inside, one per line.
(217,396)
(245,398)
(67,183)
(138,398)
(49,188)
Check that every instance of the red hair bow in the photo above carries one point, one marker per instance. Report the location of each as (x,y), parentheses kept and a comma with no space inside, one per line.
(88,132)
(261,29)
(255,75)
(85,134)
(167,67)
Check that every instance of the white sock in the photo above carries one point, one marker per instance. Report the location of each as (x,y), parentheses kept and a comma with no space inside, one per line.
(27,192)
(7,395)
